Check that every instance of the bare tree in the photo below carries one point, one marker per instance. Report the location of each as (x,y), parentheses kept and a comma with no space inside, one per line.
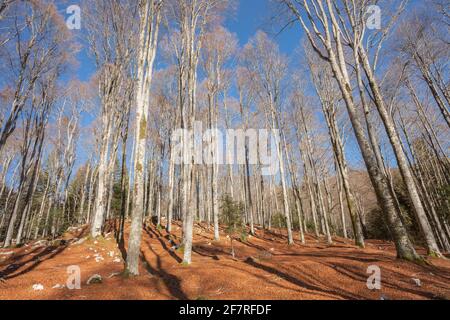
(268,67)
(43,50)
(329,97)
(219,47)
(150,17)
(322,25)
(111,44)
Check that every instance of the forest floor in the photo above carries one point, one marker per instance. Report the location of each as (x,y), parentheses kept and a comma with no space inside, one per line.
(265,267)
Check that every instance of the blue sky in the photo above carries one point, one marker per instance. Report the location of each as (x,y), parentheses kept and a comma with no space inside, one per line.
(251,16)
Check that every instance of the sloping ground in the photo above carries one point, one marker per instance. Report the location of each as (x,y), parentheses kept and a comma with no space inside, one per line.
(265,268)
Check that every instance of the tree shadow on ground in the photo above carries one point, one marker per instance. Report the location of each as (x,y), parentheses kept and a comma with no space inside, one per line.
(213,253)
(17,257)
(172,282)
(47,254)
(152,234)
(355,274)
(13,264)
(295,281)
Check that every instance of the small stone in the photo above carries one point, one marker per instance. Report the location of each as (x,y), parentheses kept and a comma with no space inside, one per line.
(58,286)
(40,243)
(81,241)
(38,287)
(114,275)
(95,279)
(417,282)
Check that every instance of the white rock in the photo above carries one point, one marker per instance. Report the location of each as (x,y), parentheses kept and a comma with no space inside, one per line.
(58,286)
(114,275)
(117,260)
(81,241)
(38,287)
(96,278)
(417,282)
(40,243)
(111,254)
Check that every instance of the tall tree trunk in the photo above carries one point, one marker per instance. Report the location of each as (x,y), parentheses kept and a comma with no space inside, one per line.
(100,205)
(149,29)
(405,170)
